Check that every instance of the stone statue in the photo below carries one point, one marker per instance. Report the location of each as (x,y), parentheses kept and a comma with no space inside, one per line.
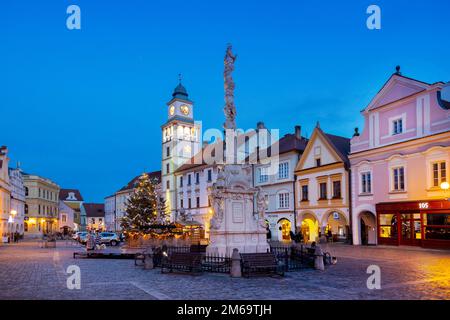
(229,109)
(218,206)
(261,206)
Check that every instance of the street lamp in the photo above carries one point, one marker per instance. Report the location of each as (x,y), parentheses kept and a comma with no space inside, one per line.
(445,186)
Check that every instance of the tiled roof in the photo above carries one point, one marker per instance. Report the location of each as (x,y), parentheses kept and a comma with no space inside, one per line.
(132,184)
(94,209)
(288,143)
(341,145)
(64,194)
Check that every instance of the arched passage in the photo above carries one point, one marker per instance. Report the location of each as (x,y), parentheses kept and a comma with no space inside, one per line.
(284,228)
(335,223)
(367,228)
(309,227)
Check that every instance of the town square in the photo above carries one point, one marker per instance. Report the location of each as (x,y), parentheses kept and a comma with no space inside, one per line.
(156,169)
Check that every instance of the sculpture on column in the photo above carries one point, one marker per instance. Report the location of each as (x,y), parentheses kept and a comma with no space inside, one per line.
(261,207)
(218,206)
(229,109)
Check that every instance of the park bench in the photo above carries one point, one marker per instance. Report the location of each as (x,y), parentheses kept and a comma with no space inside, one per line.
(261,263)
(182,261)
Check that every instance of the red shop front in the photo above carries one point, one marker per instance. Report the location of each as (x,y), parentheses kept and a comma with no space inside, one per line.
(415,223)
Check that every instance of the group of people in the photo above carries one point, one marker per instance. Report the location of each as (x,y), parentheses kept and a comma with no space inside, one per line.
(14,237)
(94,241)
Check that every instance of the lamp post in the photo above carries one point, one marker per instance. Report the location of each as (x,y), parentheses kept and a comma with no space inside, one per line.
(445,186)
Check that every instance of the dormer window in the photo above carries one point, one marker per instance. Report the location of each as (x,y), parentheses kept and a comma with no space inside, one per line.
(318,162)
(397,126)
(71,196)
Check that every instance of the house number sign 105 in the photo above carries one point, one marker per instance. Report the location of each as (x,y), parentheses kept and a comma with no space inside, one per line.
(423,205)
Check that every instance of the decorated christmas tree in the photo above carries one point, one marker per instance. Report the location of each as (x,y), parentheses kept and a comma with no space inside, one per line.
(145,207)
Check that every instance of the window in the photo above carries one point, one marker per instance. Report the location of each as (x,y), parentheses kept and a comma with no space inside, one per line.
(26,191)
(181,182)
(198,202)
(305,193)
(26,209)
(197,178)
(366,182)
(336,189)
(262,175)
(322,191)
(439,173)
(39,192)
(167,168)
(209,175)
(189,203)
(397,126)
(167,184)
(283,200)
(318,162)
(181,203)
(398,175)
(39,209)
(283,170)
(189,179)
(64,218)
(167,151)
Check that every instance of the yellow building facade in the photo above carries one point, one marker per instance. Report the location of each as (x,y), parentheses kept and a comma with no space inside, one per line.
(41,208)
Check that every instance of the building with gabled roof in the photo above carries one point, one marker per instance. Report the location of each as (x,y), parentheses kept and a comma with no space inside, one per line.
(322,187)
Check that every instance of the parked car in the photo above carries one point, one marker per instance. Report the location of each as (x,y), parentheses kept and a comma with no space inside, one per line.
(110,238)
(82,237)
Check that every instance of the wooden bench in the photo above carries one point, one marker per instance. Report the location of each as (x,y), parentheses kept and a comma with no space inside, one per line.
(182,261)
(261,263)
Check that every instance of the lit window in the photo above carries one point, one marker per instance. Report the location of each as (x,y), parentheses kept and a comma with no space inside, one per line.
(439,173)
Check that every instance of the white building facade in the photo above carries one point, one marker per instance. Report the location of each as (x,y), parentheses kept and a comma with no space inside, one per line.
(17,201)
(279,186)
(66,218)
(110,213)
(5,195)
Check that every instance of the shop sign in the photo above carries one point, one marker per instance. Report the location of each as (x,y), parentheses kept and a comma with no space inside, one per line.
(423,205)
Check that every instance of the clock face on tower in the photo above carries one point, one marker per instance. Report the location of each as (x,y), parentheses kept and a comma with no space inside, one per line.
(172,110)
(184,109)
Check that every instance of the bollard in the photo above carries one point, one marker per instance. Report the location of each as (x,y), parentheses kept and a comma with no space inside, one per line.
(318,261)
(236,264)
(148,261)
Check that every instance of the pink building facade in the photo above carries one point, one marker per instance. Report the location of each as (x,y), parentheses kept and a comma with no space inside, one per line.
(398,165)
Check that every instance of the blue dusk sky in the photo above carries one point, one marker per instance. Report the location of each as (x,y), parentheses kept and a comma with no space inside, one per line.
(84,107)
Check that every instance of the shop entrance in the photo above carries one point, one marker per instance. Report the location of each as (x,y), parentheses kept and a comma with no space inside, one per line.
(411,229)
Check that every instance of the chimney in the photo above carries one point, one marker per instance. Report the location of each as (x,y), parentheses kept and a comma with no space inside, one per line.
(260,125)
(298,132)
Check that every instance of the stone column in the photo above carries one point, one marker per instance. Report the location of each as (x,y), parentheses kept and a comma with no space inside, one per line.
(318,261)
(148,260)
(236,264)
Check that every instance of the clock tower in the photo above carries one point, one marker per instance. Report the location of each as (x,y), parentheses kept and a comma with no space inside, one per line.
(180,142)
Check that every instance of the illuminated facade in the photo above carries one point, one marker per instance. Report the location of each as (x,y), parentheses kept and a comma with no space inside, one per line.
(42,203)
(180,141)
(5,194)
(17,212)
(399,164)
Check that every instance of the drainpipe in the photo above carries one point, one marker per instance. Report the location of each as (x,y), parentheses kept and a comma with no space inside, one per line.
(350,206)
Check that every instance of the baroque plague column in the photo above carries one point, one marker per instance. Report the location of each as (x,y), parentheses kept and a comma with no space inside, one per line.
(234,224)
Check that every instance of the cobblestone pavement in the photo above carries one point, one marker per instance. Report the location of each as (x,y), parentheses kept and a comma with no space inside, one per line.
(30,272)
